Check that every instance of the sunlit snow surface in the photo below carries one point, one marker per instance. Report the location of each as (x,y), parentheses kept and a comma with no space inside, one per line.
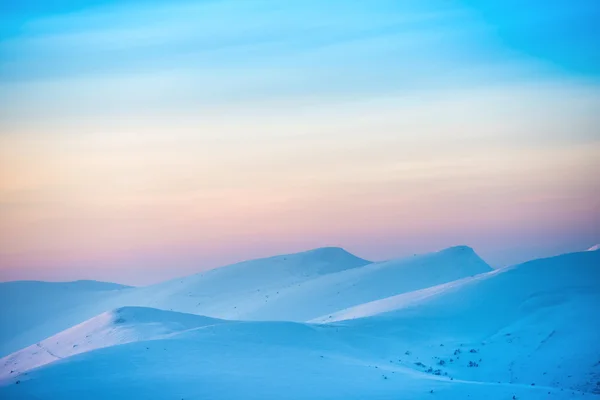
(443,325)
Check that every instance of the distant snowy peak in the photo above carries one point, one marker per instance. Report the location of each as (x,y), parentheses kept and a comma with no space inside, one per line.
(453,253)
(524,286)
(461,250)
(462,258)
(318,261)
(325,253)
(594,248)
(325,260)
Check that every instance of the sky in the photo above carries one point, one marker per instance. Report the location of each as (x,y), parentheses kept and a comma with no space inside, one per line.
(142,140)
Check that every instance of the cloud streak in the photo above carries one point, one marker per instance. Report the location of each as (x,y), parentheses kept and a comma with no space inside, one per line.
(142,131)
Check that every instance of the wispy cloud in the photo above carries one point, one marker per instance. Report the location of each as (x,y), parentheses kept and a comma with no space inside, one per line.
(176,127)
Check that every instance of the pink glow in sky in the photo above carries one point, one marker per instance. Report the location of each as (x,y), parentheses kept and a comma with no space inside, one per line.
(137,159)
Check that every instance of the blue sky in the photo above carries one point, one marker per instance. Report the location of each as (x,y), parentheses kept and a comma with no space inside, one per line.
(387,127)
(139,56)
(564,34)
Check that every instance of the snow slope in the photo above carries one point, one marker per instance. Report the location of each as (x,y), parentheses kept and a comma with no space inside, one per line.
(28,306)
(537,322)
(330,293)
(295,287)
(38,310)
(594,248)
(234,291)
(524,332)
(299,287)
(397,302)
(123,325)
(253,360)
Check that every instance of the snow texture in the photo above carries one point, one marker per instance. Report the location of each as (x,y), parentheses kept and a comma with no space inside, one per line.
(442,325)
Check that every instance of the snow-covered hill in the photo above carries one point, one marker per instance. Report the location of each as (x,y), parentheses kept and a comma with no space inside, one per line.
(533,323)
(257,360)
(313,298)
(123,325)
(299,287)
(31,310)
(293,287)
(594,248)
(523,332)
(397,302)
(238,290)
(37,310)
